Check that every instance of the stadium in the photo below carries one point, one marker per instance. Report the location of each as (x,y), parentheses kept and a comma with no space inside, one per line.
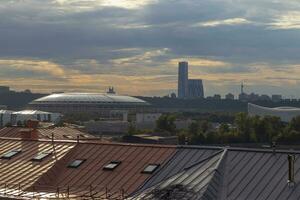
(286,114)
(104,104)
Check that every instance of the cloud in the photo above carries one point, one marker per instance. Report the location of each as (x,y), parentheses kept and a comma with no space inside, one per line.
(289,20)
(56,44)
(224,22)
(33,66)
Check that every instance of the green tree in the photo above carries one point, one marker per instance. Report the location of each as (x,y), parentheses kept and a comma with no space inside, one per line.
(166,123)
(193,128)
(244,126)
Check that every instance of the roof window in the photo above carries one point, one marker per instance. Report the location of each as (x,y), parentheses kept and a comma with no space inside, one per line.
(112,165)
(10,154)
(150,168)
(76,163)
(41,156)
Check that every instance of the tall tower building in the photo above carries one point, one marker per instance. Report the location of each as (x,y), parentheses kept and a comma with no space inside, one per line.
(195,88)
(183,79)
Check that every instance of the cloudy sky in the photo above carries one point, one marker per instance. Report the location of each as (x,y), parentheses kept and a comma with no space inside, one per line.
(135,45)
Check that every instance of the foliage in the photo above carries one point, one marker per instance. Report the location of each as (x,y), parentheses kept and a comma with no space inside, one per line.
(166,123)
(245,129)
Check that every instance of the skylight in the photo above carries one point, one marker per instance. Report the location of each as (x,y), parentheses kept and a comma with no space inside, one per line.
(10,154)
(112,165)
(41,156)
(76,163)
(150,168)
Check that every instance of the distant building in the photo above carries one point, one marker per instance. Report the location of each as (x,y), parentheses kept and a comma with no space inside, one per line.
(111,90)
(276,97)
(106,105)
(217,97)
(286,114)
(264,97)
(182,79)
(173,95)
(229,96)
(146,120)
(24,115)
(195,88)
(4,89)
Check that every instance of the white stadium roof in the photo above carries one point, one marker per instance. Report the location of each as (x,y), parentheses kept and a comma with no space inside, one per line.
(286,114)
(97,98)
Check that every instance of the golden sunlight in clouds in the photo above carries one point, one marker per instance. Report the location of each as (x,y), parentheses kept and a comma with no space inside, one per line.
(33,65)
(201,62)
(151,82)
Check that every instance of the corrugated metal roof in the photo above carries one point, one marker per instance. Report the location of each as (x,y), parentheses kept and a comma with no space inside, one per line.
(183,158)
(198,181)
(20,169)
(127,176)
(185,172)
(59,133)
(237,174)
(259,175)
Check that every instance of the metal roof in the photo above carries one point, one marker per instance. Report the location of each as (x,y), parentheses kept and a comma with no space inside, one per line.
(185,172)
(20,169)
(96,98)
(6,112)
(31,112)
(233,174)
(59,133)
(127,176)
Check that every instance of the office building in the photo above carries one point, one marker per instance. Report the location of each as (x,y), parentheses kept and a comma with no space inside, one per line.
(195,88)
(229,96)
(276,97)
(182,79)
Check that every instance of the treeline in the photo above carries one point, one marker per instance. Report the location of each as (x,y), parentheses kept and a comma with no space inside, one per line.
(244,129)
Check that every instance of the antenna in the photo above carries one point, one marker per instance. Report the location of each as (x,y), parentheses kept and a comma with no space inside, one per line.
(242,88)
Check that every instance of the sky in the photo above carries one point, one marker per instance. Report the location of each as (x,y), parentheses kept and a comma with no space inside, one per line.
(135,45)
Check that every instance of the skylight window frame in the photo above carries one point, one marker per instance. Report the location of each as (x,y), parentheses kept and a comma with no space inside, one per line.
(112,165)
(72,165)
(149,171)
(39,157)
(10,154)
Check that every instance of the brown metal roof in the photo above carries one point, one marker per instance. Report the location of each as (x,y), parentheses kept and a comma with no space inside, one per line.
(20,169)
(127,176)
(59,133)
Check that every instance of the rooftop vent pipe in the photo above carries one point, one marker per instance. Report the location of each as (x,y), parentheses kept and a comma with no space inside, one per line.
(291,162)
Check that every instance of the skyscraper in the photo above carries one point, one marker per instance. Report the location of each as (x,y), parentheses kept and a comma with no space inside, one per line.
(182,79)
(195,87)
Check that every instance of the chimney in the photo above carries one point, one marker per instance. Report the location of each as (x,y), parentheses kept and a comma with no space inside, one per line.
(31,133)
(291,175)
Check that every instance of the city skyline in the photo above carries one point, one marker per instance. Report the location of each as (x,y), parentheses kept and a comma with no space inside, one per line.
(135,46)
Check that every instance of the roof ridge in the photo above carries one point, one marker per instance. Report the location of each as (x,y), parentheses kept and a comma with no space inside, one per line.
(217,178)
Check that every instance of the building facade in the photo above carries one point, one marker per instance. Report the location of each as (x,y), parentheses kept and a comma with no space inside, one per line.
(182,79)
(195,88)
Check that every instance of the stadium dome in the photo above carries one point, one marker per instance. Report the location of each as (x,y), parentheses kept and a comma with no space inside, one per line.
(86,102)
(286,114)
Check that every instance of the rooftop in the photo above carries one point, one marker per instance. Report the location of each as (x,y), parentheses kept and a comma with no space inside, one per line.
(87,98)
(136,171)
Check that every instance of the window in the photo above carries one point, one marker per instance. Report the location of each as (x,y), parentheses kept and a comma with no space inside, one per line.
(112,165)
(10,154)
(40,156)
(76,163)
(150,168)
